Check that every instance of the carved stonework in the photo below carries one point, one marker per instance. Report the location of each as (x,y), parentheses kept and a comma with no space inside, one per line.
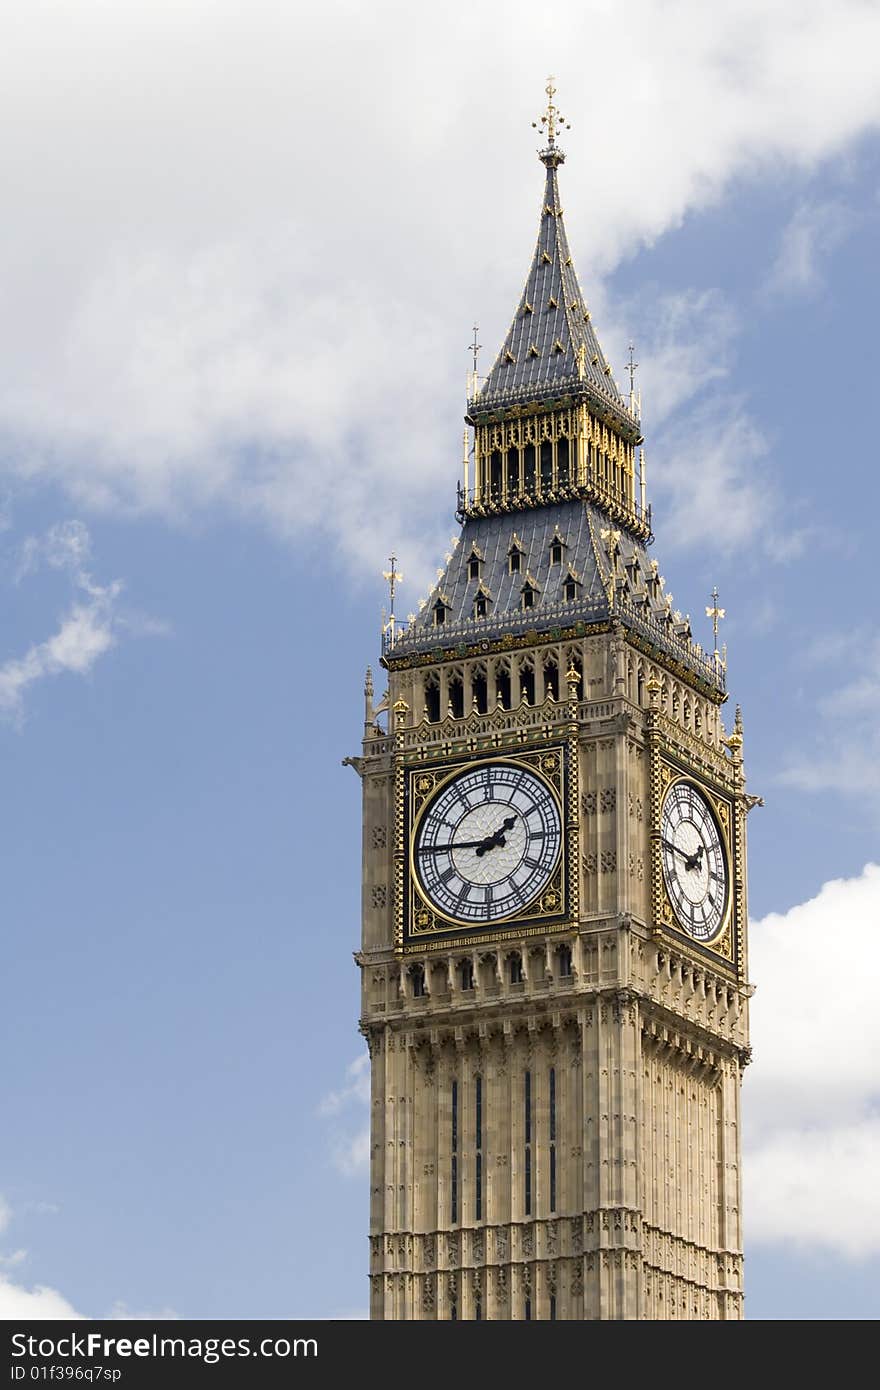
(632,1032)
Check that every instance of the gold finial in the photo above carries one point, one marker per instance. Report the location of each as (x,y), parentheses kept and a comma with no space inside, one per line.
(393,578)
(735,742)
(715,613)
(552,119)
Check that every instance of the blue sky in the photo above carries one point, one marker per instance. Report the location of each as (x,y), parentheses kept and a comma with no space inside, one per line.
(243,256)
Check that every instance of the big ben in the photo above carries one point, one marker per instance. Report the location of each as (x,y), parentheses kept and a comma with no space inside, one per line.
(553,955)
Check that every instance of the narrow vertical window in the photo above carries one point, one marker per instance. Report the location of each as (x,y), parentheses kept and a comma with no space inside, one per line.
(552,1307)
(454,1174)
(479,1148)
(528,1143)
(552,1138)
(528,1310)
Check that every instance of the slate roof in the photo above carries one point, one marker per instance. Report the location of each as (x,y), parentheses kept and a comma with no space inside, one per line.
(551,347)
(636,596)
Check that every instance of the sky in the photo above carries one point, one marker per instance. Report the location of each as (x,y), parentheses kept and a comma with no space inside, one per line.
(244,247)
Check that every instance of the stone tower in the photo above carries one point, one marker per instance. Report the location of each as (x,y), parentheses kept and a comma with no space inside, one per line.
(553,955)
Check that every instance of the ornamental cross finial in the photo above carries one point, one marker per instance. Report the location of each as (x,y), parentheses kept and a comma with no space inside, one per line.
(474,347)
(633,367)
(393,577)
(715,613)
(552,119)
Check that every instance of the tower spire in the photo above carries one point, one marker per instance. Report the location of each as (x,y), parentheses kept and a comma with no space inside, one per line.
(551,347)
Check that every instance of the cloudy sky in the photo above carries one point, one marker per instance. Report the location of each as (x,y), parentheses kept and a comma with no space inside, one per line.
(243,248)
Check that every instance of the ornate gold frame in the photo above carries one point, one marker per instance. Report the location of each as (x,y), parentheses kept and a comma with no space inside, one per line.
(420,925)
(669,764)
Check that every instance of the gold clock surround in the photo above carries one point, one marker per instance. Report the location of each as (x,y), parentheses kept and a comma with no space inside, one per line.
(422,921)
(669,766)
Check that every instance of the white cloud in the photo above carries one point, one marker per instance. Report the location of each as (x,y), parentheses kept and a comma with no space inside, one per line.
(814,231)
(120,1312)
(351,1147)
(244,244)
(704,465)
(18,1302)
(352,1156)
(812,1131)
(37,1304)
(89,629)
(845,755)
(356,1088)
(816,1188)
(84,635)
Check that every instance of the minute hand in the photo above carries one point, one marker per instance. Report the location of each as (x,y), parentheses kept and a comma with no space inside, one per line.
(447,849)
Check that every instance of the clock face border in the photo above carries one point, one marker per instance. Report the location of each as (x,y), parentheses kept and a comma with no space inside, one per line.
(727,948)
(423,921)
(706,797)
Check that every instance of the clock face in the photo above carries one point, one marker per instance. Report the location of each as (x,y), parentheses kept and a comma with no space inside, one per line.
(488,843)
(694,862)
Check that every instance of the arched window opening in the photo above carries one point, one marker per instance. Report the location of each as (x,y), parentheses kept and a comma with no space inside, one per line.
(551,679)
(527,686)
(529,463)
(480,693)
(432,701)
(417,981)
(495,475)
(562,462)
(502,688)
(515,968)
(546,467)
(513,473)
(456,697)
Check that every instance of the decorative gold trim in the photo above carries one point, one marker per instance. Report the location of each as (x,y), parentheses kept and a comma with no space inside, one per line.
(669,764)
(418,917)
(720,812)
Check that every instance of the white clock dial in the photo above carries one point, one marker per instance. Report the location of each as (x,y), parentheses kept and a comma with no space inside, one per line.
(694,862)
(488,843)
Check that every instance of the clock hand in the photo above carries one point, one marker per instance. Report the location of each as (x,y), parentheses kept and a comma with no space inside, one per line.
(498,838)
(691,861)
(444,849)
(487,842)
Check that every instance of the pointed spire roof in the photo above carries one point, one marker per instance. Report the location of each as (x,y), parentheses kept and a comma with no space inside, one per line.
(551,348)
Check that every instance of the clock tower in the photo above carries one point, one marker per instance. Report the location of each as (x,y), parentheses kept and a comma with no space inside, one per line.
(553,955)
